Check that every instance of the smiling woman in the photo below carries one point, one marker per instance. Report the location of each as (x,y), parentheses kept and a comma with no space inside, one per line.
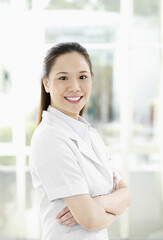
(69,164)
(69,83)
(72,65)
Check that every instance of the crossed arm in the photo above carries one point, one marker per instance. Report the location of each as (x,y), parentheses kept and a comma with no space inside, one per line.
(108,207)
(117,201)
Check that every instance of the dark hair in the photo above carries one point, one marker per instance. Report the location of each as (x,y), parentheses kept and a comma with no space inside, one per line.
(48,62)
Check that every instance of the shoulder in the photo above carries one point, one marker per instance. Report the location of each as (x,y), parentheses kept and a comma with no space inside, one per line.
(46,134)
(48,144)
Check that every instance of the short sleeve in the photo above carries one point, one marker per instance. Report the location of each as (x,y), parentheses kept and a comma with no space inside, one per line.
(57,167)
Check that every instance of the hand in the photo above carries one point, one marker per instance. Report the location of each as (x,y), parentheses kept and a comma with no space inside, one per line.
(115,183)
(99,199)
(65,217)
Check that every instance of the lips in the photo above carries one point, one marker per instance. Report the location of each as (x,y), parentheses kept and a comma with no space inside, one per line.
(74,99)
(73,96)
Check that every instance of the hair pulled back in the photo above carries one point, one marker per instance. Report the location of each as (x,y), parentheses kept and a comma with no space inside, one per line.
(50,58)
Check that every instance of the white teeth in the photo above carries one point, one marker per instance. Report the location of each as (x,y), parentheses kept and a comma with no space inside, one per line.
(73,98)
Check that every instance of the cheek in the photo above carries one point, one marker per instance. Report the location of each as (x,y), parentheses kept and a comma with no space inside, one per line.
(87,83)
(87,87)
(57,88)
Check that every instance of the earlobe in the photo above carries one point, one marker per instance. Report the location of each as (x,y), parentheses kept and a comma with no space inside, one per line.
(45,83)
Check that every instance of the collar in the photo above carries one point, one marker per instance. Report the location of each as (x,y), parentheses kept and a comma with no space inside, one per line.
(62,128)
(80,126)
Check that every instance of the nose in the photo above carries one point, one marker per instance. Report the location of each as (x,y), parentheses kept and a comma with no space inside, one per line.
(74,85)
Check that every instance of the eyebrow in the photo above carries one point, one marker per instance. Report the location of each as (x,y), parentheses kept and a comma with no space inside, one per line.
(67,72)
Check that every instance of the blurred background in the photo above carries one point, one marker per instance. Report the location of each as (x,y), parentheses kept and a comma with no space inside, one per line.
(125,42)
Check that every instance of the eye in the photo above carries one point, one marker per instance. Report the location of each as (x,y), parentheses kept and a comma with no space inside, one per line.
(83,77)
(63,78)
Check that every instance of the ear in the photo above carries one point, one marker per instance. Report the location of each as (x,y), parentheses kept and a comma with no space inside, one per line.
(45,82)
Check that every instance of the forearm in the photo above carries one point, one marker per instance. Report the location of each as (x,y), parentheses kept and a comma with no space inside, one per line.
(117,201)
(102,221)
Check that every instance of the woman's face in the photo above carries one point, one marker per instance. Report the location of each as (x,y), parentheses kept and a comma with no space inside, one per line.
(69,83)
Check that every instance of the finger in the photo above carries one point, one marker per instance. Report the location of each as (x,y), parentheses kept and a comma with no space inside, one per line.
(114,176)
(114,182)
(62,212)
(72,224)
(117,186)
(69,222)
(65,217)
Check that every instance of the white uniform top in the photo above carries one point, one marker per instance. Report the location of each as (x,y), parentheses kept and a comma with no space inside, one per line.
(68,157)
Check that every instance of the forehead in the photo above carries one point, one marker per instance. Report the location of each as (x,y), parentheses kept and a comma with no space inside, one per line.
(70,62)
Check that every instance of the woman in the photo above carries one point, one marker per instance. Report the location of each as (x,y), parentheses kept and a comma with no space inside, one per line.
(79,190)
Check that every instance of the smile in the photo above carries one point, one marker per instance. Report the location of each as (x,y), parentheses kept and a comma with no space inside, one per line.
(73,99)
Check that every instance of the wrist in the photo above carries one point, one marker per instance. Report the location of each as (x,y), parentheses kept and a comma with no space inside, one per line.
(107,202)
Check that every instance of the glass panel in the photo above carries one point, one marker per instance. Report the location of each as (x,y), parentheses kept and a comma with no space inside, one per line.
(107,5)
(96,27)
(146,21)
(103,107)
(7,160)
(28,4)
(5,2)
(146,218)
(31,119)
(6,134)
(145,79)
(145,162)
(8,212)
(5,105)
(33,221)
(27,160)
(99,34)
